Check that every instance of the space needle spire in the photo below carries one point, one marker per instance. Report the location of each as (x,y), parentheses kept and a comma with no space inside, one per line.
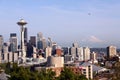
(22,24)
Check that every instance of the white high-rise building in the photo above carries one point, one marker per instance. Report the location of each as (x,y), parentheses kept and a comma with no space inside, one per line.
(111,51)
(75,45)
(5,48)
(5,52)
(15,57)
(93,57)
(86,53)
(5,57)
(48,51)
(10,56)
(80,54)
(73,52)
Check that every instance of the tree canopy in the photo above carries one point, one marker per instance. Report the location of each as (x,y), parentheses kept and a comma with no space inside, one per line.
(23,73)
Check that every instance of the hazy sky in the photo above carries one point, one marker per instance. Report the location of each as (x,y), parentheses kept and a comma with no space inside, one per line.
(93,23)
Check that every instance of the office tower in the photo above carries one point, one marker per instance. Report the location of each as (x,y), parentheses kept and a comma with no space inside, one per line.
(48,51)
(5,48)
(111,51)
(44,43)
(73,52)
(93,57)
(86,53)
(54,47)
(10,57)
(13,42)
(66,50)
(22,24)
(25,35)
(29,50)
(5,52)
(15,57)
(33,41)
(49,42)
(80,54)
(39,36)
(75,45)
(1,42)
(39,45)
(67,58)
(39,40)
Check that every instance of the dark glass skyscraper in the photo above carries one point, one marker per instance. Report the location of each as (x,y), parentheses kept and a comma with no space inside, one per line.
(25,36)
(33,40)
(1,42)
(39,40)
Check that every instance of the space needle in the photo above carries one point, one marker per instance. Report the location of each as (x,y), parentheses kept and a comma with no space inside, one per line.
(22,24)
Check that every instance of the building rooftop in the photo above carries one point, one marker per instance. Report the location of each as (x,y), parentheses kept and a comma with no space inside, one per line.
(95,68)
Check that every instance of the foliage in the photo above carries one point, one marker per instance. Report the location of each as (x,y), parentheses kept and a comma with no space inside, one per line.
(23,73)
(116,75)
(67,74)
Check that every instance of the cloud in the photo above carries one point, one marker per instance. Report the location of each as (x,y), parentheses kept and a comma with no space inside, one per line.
(94,39)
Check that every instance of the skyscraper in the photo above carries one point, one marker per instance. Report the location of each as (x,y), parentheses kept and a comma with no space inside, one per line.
(86,53)
(49,42)
(111,51)
(29,50)
(48,51)
(1,42)
(5,52)
(73,51)
(80,53)
(93,57)
(39,40)
(39,36)
(13,42)
(25,35)
(75,45)
(44,43)
(33,40)
(5,48)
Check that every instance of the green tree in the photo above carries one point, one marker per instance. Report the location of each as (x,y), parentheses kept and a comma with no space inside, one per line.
(46,75)
(82,77)
(68,74)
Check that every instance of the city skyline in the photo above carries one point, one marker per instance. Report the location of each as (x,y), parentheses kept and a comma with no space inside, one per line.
(92,23)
